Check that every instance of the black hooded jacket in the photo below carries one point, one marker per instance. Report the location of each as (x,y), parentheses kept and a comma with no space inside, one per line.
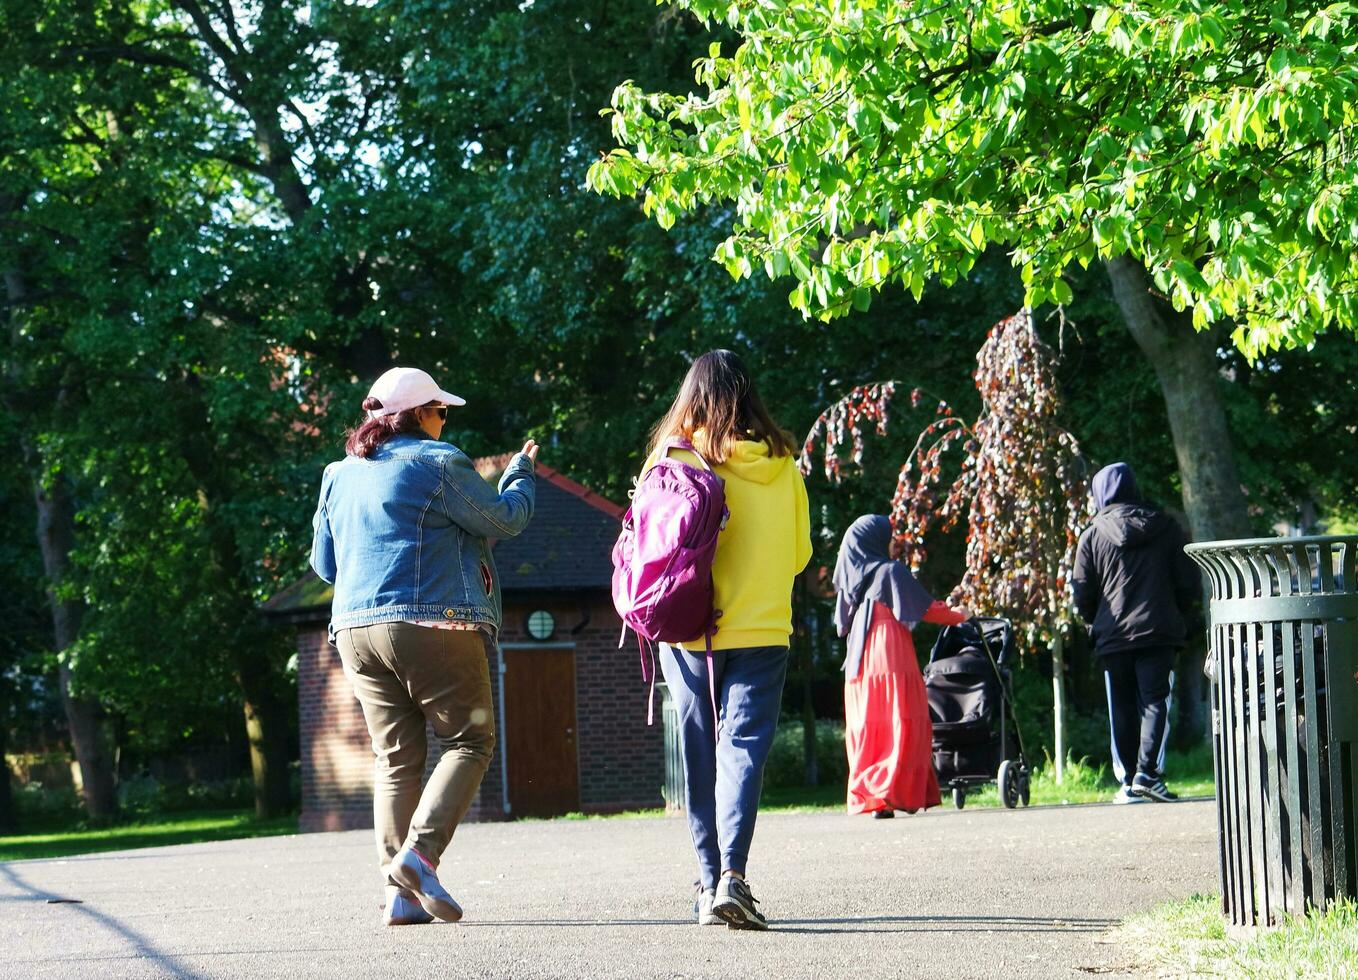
(1133,583)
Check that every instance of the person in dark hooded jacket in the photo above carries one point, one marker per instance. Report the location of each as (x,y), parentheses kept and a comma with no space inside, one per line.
(1134,587)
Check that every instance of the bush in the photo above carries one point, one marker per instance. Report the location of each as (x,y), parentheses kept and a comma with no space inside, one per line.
(225,794)
(1086,721)
(38,808)
(142,795)
(786,767)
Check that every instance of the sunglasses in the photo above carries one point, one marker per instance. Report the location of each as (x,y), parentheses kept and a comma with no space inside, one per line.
(442,412)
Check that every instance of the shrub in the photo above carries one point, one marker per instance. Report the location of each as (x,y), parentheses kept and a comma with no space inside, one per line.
(787,766)
(37,807)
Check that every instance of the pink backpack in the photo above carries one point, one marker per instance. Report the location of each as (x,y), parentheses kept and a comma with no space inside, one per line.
(662,563)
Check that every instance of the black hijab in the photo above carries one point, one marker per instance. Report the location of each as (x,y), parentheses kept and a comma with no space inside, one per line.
(866,573)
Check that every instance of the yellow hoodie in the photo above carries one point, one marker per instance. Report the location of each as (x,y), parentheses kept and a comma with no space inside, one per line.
(765,545)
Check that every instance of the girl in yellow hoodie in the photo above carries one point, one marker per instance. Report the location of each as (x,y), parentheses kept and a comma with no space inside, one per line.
(765,544)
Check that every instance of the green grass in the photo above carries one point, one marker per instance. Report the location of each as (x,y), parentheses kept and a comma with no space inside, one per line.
(799,799)
(785,799)
(1189,938)
(187,829)
(1190,775)
(577,815)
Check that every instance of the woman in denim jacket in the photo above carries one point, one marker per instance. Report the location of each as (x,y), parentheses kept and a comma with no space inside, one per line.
(403,532)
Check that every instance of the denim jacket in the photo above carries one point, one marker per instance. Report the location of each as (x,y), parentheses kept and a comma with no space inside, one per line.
(404,534)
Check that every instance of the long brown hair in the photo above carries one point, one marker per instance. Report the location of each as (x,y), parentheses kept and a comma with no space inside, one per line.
(364,438)
(717,407)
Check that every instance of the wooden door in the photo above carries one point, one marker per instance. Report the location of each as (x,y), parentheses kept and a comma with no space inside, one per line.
(538,728)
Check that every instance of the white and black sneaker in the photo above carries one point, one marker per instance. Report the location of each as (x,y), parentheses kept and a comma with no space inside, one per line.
(702,906)
(735,905)
(1151,788)
(1125,795)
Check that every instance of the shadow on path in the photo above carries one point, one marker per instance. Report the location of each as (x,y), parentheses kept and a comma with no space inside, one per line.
(871,923)
(143,947)
(945,923)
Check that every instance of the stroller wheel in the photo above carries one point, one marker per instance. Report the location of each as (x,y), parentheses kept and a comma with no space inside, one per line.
(959,796)
(1009,784)
(1024,783)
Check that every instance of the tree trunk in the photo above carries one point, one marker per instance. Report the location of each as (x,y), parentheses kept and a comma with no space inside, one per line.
(1185,365)
(1184,362)
(8,818)
(266,727)
(56,536)
(84,716)
(808,671)
(265,704)
(1190,697)
(1059,705)
(266,707)
(812,772)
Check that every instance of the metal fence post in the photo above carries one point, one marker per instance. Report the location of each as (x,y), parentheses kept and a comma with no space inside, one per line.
(674,758)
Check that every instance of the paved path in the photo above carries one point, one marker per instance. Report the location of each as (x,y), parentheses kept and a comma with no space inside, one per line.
(983,893)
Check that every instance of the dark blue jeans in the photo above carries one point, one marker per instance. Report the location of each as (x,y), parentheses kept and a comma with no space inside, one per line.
(722,779)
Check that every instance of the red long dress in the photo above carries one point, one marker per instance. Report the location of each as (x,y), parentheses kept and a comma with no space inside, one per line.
(887,731)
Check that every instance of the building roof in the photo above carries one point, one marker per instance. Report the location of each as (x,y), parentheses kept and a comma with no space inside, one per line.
(569,543)
(567,547)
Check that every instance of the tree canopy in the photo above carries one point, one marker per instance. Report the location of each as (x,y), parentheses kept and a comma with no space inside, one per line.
(864,142)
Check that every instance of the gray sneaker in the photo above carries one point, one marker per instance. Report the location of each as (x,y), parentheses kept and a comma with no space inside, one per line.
(736,905)
(702,906)
(412,871)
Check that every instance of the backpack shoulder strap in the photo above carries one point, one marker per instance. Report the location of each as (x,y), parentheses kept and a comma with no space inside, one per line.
(677,443)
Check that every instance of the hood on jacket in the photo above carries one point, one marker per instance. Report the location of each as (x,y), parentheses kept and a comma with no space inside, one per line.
(751,461)
(1130,525)
(1115,484)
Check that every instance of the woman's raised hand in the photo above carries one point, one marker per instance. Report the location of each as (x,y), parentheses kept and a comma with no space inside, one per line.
(963,611)
(530,449)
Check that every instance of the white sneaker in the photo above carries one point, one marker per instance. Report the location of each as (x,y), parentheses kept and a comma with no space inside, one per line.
(702,906)
(1123,795)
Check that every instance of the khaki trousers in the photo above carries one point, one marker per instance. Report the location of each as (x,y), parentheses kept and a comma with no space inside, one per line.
(403,676)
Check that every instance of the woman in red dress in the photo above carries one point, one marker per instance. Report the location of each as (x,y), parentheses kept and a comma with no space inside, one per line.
(887,732)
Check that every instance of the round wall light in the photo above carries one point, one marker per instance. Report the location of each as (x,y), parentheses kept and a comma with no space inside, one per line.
(541,624)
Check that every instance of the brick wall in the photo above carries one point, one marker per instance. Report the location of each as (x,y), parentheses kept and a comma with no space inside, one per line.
(489,803)
(622,761)
(621,758)
(337,759)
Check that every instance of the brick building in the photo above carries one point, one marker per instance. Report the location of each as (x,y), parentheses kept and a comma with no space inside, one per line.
(570,706)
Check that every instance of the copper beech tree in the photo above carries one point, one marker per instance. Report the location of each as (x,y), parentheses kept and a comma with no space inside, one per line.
(1021,488)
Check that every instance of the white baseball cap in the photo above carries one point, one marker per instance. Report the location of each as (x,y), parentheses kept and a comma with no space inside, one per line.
(405,388)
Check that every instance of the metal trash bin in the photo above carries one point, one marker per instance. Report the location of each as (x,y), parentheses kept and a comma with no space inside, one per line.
(1283,632)
(674,758)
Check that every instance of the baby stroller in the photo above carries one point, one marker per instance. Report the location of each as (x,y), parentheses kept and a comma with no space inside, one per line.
(971,703)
